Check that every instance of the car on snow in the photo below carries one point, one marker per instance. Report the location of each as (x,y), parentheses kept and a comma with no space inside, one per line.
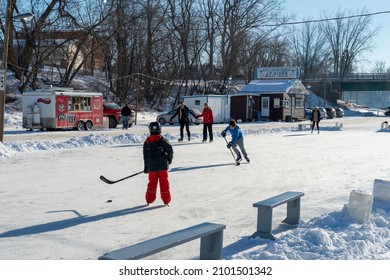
(330,112)
(324,114)
(339,112)
(308,113)
(165,117)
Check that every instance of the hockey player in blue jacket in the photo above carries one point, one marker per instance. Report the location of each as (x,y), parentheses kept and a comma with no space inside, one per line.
(237,139)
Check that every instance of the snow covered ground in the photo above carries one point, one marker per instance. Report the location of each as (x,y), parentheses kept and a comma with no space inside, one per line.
(206,186)
(54,207)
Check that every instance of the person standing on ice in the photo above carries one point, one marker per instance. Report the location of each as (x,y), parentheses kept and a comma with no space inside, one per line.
(315,119)
(237,140)
(158,155)
(126,113)
(208,121)
(184,119)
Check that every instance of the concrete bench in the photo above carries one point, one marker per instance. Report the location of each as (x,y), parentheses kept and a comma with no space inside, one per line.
(264,212)
(210,234)
(303,126)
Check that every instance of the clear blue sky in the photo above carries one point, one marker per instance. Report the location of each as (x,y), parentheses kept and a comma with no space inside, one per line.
(304,9)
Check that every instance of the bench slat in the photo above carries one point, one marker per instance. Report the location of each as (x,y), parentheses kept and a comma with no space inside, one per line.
(279,199)
(158,244)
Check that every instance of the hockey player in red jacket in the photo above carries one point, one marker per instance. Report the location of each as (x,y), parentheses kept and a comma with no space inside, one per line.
(208,121)
(158,155)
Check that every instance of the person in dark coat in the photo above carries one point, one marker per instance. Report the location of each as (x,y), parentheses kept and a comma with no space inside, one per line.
(208,121)
(184,119)
(315,119)
(158,155)
(126,113)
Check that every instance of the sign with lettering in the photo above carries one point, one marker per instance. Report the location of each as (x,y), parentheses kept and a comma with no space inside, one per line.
(277,73)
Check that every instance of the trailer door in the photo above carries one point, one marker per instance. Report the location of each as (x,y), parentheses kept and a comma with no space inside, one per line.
(61,107)
(97,110)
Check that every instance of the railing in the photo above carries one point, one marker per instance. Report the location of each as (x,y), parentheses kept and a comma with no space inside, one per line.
(352,76)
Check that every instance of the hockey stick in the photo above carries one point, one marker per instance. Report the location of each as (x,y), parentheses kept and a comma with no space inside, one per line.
(231,151)
(105,180)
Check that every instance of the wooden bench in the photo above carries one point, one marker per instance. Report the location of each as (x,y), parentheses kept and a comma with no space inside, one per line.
(264,212)
(210,234)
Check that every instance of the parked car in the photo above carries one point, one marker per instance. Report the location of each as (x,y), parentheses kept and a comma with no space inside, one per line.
(324,114)
(308,113)
(330,112)
(112,111)
(165,117)
(339,112)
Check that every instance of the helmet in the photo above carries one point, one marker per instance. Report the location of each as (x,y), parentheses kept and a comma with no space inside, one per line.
(155,128)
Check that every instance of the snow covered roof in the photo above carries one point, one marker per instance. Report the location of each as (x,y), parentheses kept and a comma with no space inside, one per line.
(274,86)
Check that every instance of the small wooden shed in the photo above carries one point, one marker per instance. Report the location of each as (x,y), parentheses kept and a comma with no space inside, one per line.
(276,100)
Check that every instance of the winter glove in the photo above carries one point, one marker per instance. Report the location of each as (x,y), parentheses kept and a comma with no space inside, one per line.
(229,145)
(223,133)
(145,170)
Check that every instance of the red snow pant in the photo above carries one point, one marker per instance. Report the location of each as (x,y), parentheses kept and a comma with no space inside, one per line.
(154,178)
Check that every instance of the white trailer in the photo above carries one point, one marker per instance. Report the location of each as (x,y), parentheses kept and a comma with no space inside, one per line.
(220,104)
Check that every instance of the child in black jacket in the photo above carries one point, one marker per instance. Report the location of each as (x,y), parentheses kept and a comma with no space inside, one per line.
(158,155)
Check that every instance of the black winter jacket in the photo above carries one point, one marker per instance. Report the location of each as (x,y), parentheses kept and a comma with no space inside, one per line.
(158,153)
(184,114)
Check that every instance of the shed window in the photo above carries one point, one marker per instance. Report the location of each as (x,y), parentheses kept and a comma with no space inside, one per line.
(299,103)
(276,102)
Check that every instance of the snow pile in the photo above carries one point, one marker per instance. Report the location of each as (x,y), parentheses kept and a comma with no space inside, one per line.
(330,237)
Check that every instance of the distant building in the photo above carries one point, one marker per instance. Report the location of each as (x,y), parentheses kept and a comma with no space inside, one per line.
(62,45)
(276,95)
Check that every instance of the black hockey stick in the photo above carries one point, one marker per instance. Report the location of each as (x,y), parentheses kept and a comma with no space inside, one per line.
(105,180)
(231,151)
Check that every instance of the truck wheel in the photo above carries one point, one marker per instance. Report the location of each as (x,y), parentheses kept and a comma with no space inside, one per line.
(112,122)
(88,125)
(80,125)
(161,121)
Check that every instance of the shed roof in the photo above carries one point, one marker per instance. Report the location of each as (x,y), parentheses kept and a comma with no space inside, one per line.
(274,86)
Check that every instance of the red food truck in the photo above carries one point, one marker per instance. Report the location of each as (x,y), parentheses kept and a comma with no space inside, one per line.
(60,108)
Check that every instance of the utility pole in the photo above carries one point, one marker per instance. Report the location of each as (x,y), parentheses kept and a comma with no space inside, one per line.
(3,75)
(3,81)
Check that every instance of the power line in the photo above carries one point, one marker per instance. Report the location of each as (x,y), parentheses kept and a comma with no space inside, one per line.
(327,19)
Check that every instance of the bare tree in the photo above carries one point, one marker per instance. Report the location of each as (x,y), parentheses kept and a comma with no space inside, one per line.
(238,20)
(40,43)
(379,67)
(186,28)
(308,49)
(348,35)
(209,10)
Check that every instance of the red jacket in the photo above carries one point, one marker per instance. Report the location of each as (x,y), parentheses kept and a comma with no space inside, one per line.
(207,115)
